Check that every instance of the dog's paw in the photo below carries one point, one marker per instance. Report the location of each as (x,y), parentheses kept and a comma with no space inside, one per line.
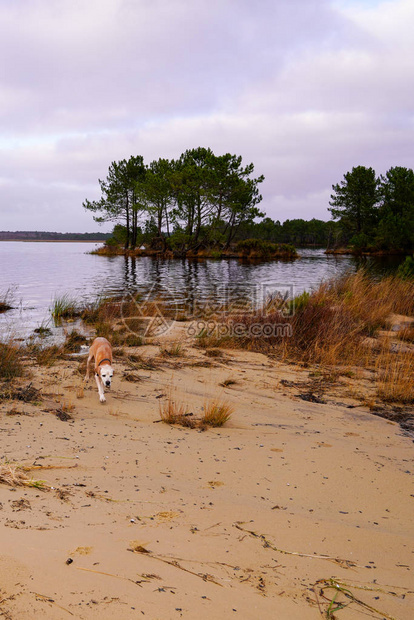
(102,399)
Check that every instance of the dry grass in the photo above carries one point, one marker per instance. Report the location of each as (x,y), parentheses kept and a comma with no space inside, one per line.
(102,310)
(138,362)
(11,365)
(216,413)
(173,412)
(332,326)
(406,334)
(173,350)
(13,475)
(73,342)
(46,356)
(395,377)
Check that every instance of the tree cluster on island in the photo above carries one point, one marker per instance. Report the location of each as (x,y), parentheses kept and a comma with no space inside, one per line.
(375,213)
(196,204)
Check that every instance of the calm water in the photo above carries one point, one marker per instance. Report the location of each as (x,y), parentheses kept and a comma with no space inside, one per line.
(39,272)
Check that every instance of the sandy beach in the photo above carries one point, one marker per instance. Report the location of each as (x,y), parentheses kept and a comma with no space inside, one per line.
(255,519)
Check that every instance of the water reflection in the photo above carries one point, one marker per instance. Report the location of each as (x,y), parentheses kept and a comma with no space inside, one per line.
(40,272)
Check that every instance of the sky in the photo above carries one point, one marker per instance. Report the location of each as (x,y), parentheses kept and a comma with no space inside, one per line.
(304,89)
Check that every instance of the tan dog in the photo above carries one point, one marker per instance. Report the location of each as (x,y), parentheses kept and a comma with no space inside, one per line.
(101,350)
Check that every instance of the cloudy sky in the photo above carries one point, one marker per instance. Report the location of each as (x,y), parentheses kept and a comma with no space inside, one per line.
(305,89)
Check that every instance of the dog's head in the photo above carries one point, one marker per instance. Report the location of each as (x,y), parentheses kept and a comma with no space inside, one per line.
(106,373)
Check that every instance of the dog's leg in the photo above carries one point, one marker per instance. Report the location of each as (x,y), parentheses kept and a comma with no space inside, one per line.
(88,368)
(100,389)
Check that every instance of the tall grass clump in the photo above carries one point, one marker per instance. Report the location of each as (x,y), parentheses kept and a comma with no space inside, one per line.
(64,307)
(172,412)
(11,365)
(372,301)
(216,413)
(395,376)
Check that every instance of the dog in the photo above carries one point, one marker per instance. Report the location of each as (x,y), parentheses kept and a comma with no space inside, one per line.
(101,350)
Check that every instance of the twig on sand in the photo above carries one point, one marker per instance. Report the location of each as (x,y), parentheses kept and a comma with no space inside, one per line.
(266,543)
(204,576)
(100,572)
(339,587)
(49,599)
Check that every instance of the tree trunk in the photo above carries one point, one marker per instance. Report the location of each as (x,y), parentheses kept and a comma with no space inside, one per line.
(128,232)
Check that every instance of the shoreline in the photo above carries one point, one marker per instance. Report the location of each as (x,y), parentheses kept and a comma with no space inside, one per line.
(350,252)
(52,240)
(137,253)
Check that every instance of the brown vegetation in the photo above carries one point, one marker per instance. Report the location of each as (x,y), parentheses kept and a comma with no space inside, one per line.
(14,475)
(216,413)
(11,365)
(338,324)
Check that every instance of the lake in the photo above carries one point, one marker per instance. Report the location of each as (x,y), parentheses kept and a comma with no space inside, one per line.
(37,273)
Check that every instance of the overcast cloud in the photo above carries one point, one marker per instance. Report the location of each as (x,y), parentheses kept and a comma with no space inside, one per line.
(304,89)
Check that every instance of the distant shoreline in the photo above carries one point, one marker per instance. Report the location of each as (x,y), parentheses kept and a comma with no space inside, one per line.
(51,240)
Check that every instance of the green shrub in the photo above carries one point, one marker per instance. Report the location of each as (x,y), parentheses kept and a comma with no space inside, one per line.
(406,269)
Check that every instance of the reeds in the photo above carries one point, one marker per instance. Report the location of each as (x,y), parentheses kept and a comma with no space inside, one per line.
(64,307)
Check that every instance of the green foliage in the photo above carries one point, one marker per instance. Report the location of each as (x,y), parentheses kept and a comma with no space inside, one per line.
(355,200)
(119,236)
(361,241)
(375,213)
(121,198)
(202,197)
(406,269)
(396,227)
(264,249)
(297,232)
(300,302)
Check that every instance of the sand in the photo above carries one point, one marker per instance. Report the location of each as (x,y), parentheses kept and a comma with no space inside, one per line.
(245,521)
